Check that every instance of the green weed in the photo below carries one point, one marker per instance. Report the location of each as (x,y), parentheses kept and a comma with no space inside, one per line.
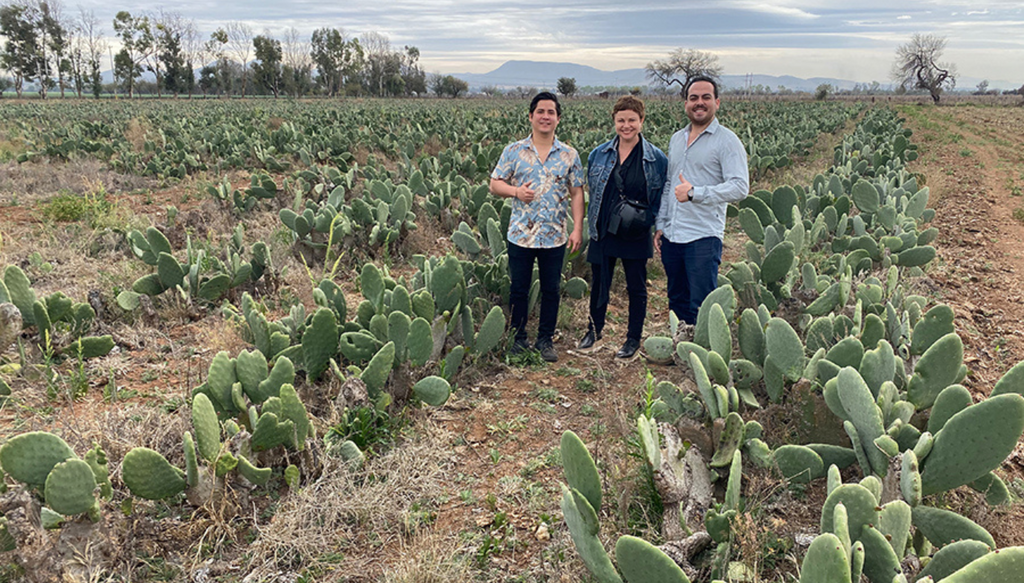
(1018,214)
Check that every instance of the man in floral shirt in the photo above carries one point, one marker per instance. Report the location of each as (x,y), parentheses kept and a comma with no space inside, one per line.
(545,177)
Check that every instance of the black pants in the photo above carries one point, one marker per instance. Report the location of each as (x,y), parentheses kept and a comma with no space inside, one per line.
(636,286)
(520,271)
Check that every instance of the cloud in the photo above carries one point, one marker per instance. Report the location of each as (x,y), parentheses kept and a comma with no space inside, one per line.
(777,9)
(806,36)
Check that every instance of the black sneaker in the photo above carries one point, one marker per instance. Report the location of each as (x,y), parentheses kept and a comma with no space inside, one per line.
(589,341)
(547,350)
(628,349)
(519,347)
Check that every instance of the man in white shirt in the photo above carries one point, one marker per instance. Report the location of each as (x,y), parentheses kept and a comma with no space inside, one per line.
(707,170)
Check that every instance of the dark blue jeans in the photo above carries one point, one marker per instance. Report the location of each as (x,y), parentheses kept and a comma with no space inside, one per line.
(636,286)
(520,271)
(692,273)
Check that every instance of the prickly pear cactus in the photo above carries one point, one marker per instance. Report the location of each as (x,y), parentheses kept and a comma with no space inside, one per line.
(29,457)
(583,527)
(320,342)
(376,373)
(70,488)
(642,562)
(826,561)
(799,464)
(491,331)
(580,469)
(659,349)
(942,527)
(149,475)
(432,390)
(204,421)
(973,442)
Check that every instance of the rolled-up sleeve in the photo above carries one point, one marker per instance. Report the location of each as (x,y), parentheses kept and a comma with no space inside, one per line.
(661,222)
(735,175)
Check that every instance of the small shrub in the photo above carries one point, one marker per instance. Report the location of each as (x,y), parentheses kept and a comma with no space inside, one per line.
(72,208)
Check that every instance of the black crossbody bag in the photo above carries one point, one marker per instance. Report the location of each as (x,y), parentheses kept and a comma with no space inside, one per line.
(629,217)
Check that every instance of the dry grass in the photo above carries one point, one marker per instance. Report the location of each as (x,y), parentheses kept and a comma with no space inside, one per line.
(34,181)
(370,508)
(137,132)
(432,558)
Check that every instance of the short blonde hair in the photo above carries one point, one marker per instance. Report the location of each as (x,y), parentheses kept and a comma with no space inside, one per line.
(631,103)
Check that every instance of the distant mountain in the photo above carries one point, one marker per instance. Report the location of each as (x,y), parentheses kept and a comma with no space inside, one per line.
(545,75)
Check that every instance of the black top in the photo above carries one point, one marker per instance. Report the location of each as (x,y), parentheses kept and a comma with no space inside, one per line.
(627,180)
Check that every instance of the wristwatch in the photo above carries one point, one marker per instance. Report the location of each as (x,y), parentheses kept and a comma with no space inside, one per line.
(689,195)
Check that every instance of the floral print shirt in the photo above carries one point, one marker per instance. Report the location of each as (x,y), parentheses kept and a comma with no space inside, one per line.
(542,222)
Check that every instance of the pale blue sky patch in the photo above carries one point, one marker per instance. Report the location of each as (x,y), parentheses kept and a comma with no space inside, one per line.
(803,38)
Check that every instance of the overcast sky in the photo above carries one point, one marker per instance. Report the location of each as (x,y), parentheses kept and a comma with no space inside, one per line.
(804,38)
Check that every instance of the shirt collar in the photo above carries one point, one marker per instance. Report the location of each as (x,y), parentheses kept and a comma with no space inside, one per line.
(613,145)
(712,127)
(555,145)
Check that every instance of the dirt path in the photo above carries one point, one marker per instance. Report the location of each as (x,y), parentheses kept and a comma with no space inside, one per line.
(973,161)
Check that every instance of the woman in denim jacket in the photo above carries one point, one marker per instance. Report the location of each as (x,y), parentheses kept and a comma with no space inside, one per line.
(625,176)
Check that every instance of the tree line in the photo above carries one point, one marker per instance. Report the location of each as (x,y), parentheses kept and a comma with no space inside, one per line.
(47,46)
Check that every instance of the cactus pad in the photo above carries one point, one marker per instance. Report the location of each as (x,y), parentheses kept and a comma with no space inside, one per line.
(1012,381)
(861,509)
(375,375)
(580,469)
(29,457)
(953,557)
(491,330)
(320,342)
(659,349)
(587,544)
(148,475)
(938,368)
(642,562)
(951,400)
(70,486)
(880,562)
(799,464)
(826,561)
(943,527)
(257,476)
(432,390)
(973,442)
(204,421)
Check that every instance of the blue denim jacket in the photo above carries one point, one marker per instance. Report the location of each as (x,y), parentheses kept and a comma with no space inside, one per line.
(599,169)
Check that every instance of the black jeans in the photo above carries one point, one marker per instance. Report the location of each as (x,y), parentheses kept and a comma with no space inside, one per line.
(636,286)
(520,271)
(691,271)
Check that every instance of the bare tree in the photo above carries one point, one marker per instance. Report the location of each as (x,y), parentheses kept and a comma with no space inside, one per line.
(60,29)
(296,49)
(683,65)
(192,51)
(376,48)
(240,43)
(918,67)
(78,55)
(298,64)
(91,33)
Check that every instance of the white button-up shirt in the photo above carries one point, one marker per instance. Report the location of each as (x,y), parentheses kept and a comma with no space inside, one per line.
(716,164)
